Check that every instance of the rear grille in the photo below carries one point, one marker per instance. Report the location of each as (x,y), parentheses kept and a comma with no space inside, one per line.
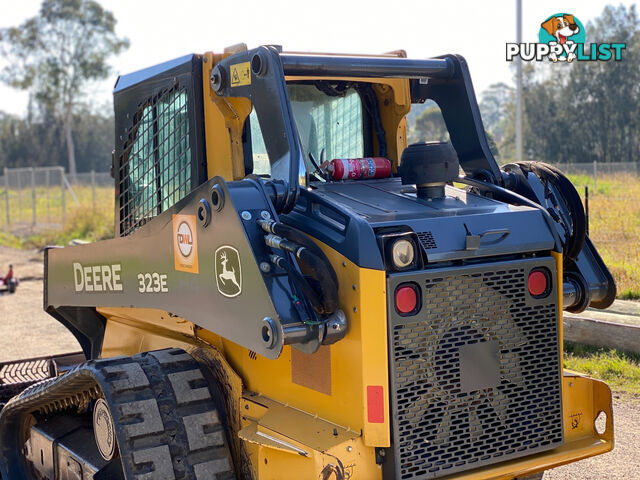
(476,373)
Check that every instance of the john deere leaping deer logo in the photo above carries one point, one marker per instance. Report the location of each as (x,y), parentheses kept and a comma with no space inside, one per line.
(228,271)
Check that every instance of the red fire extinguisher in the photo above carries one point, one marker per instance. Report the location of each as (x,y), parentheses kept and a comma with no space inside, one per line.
(359,168)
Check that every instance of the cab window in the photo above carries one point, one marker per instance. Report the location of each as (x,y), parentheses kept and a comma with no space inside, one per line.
(330,122)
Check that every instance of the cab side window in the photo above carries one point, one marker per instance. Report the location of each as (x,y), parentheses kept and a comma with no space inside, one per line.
(158,160)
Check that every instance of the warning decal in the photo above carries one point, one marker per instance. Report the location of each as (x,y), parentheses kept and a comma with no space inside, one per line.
(240,74)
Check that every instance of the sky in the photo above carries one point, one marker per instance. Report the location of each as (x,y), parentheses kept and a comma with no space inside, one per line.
(160,30)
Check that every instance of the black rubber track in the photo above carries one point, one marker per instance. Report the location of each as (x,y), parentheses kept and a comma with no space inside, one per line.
(164,407)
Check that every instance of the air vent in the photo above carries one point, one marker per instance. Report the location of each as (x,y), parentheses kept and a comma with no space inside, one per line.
(427,240)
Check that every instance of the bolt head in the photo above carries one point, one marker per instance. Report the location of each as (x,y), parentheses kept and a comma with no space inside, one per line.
(265,267)
(246,215)
(265,215)
(349,448)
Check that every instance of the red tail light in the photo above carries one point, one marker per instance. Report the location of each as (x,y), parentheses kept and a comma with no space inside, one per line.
(538,283)
(407,299)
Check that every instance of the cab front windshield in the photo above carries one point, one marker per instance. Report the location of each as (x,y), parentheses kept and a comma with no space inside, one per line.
(327,120)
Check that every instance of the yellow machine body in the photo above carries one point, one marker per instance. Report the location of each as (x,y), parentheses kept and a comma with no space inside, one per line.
(305,416)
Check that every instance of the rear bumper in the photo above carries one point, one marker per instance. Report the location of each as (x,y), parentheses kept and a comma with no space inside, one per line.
(584,399)
(300,445)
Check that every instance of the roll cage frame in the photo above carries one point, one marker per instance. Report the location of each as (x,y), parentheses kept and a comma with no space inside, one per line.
(445,80)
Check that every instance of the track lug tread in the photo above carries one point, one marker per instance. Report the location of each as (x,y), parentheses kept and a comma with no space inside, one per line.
(168,426)
(159,458)
(188,386)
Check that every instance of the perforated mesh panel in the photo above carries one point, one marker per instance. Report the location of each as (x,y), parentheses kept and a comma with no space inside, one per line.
(476,373)
(155,167)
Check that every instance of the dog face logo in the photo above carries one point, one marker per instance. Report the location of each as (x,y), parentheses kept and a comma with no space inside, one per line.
(228,271)
(562,29)
(562,38)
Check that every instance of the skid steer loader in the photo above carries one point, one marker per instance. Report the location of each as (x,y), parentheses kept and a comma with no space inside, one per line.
(293,292)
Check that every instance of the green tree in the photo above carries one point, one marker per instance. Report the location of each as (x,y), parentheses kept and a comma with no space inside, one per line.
(94,133)
(609,92)
(57,54)
(492,107)
(37,140)
(591,114)
(429,126)
(582,111)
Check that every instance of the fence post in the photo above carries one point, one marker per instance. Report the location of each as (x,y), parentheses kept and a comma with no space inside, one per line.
(586,206)
(33,194)
(46,176)
(61,170)
(6,189)
(19,216)
(93,188)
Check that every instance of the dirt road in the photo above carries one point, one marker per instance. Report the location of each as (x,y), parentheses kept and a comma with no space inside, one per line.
(26,331)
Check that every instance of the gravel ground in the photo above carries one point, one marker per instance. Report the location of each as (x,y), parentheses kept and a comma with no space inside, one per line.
(26,331)
(624,461)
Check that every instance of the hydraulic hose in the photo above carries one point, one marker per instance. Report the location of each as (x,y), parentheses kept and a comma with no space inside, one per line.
(515,198)
(305,288)
(321,273)
(576,237)
(297,236)
(313,261)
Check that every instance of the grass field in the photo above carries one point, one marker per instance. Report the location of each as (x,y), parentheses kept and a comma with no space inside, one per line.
(49,205)
(614,220)
(620,370)
(80,221)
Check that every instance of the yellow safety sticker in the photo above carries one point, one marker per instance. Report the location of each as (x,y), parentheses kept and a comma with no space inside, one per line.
(240,74)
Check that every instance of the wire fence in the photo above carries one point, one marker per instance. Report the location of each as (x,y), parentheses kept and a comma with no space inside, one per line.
(592,172)
(595,169)
(43,196)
